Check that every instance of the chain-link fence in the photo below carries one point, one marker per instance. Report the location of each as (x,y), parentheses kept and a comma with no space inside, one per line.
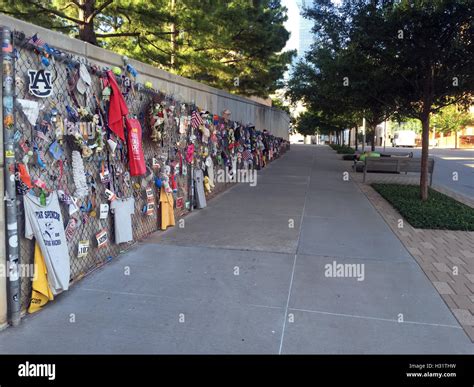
(46,153)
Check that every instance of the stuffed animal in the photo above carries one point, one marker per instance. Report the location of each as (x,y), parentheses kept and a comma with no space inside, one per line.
(207,185)
(157,121)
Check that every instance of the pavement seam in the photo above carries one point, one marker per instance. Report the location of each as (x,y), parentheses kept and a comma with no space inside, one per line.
(296,255)
(374,318)
(225,248)
(157,296)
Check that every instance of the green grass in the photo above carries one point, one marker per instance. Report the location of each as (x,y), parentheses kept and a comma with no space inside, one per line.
(439,212)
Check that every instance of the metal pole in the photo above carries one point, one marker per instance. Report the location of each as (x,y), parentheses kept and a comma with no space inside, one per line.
(191,188)
(12,248)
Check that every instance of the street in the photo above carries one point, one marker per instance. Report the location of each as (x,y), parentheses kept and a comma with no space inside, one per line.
(448,162)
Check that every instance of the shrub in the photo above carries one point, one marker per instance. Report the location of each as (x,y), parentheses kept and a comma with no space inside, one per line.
(438,212)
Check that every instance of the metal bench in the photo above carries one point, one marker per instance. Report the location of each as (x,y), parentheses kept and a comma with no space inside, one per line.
(359,165)
(396,165)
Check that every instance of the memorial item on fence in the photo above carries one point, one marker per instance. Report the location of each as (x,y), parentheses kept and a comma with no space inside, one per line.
(136,158)
(117,107)
(102,239)
(40,84)
(83,249)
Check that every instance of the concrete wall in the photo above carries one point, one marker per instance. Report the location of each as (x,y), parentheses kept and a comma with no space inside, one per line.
(186,90)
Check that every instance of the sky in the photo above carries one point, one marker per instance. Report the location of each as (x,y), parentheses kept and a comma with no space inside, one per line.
(295,22)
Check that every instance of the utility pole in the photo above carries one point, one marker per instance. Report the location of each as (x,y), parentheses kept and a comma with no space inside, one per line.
(8,119)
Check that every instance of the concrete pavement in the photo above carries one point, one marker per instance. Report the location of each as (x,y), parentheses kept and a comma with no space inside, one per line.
(249,274)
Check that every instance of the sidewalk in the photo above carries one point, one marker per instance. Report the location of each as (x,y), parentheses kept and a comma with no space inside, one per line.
(446,257)
(197,290)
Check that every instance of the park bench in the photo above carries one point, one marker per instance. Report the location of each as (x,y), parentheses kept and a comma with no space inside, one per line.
(396,165)
(359,164)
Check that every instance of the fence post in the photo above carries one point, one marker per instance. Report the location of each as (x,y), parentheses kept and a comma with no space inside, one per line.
(12,240)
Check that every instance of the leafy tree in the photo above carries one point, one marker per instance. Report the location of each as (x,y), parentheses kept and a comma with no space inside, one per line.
(235,45)
(406,58)
(429,48)
(451,119)
(335,76)
(407,124)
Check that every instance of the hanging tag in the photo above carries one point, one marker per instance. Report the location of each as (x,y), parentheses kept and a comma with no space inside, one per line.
(56,150)
(149,194)
(83,249)
(42,198)
(71,228)
(104,174)
(150,208)
(102,238)
(110,195)
(104,211)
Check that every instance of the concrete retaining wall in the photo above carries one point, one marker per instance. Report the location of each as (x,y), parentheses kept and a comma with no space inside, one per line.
(183,89)
(186,90)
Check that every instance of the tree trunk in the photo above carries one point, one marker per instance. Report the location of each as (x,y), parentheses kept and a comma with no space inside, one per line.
(356,138)
(373,139)
(173,37)
(350,135)
(86,30)
(425,142)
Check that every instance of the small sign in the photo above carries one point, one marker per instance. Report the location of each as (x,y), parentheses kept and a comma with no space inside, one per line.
(110,195)
(40,83)
(149,194)
(71,228)
(180,202)
(104,211)
(150,209)
(83,249)
(105,176)
(102,239)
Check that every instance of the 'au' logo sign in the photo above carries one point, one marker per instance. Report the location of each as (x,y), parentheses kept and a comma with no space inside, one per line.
(40,83)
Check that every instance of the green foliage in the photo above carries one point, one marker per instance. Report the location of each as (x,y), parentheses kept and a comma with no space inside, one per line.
(234,45)
(279,104)
(407,124)
(438,212)
(342,149)
(451,119)
(400,58)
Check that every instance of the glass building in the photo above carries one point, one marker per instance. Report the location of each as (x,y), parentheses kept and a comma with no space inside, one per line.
(305,26)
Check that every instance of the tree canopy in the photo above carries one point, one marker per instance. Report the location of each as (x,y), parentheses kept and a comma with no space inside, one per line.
(234,45)
(382,58)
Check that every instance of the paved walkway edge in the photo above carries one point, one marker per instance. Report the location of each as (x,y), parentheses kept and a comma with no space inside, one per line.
(435,261)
